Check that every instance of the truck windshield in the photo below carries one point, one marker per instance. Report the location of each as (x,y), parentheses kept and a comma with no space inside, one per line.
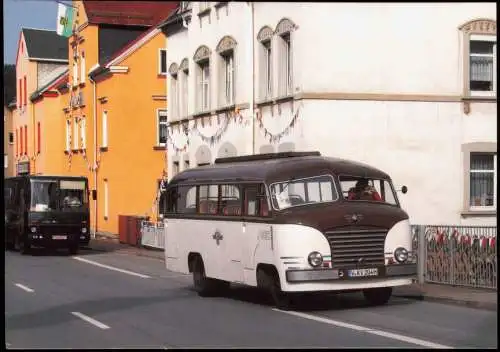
(367,189)
(310,190)
(50,195)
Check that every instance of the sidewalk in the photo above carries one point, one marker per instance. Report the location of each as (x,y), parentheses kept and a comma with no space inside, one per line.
(470,297)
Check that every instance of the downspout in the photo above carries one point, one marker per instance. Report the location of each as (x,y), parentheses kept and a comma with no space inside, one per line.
(252,93)
(94,167)
(34,142)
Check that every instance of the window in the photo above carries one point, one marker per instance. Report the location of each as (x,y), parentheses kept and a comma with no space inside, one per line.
(104,142)
(25,139)
(75,134)
(268,88)
(75,74)
(20,94)
(82,67)
(286,65)
(185,92)
(317,189)
(176,170)
(483,177)
(21,141)
(6,161)
(162,66)
(68,135)
(17,143)
(39,136)
(227,78)
(230,201)
(185,199)
(204,86)
(171,200)
(174,94)
(106,200)
(209,196)
(25,91)
(11,138)
(83,132)
(162,127)
(482,60)
(367,189)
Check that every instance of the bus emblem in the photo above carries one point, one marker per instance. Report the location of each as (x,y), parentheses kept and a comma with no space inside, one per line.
(354,217)
(217,237)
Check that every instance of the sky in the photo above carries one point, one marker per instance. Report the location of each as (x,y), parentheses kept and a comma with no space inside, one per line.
(40,14)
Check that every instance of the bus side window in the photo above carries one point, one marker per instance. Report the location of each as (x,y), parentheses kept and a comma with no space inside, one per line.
(256,201)
(171,200)
(263,204)
(209,196)
(186,199)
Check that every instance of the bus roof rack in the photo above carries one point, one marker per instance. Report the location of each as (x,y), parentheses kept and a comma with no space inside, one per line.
(267,156)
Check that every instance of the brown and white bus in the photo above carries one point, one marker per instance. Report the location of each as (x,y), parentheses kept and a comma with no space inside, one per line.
(288,223)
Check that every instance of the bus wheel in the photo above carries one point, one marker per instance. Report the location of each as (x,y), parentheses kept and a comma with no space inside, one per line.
(378,296)
(203,285)
(271,282)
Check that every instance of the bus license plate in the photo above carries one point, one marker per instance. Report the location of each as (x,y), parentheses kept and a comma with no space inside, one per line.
(59,237)
(363,272)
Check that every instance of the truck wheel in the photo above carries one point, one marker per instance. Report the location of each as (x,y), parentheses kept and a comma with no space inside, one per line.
(271,283)
(203,285)
(378,296)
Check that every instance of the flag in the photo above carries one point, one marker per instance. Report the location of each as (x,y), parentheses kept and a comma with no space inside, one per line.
(64,20)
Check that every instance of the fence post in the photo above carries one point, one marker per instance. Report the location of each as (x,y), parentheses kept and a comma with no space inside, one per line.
(421,254)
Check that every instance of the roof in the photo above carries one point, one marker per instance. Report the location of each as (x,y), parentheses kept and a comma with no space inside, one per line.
(129,13)
(282,166)
(50,85)
(44,44)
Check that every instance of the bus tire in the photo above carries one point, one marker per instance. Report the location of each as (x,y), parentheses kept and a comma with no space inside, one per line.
(270,281)
(378,296)
(203,285)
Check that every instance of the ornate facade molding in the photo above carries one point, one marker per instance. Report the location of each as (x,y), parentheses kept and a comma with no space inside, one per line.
(184,66)
(284,26)
(480,26)
(202,53)
(265,34)
(173,69)
(226,44)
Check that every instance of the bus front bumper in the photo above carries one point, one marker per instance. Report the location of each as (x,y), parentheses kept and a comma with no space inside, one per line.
(343,275)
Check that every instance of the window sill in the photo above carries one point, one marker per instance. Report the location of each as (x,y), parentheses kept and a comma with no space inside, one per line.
(202,113)
(161,75)
(270,101)
(226,108)
(474,213)
(103,149)
(159,147)
(204,13)
(76,150)
(479,98)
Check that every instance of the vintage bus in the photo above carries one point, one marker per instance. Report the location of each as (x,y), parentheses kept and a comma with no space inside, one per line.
(289,223)
(46,211)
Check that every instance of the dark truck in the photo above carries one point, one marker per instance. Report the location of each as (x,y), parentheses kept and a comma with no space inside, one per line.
(46,211)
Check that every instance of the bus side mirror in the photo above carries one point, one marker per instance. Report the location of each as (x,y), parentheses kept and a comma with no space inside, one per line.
(94,194)
(404,189)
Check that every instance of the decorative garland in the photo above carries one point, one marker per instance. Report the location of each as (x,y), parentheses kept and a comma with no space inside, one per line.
(278,136)
(216,137)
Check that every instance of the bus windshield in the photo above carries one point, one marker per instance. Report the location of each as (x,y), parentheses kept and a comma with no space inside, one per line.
(367,189)
(50,195)
(310,190)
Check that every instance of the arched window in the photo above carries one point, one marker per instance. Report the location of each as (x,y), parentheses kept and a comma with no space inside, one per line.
(202,61)
(284,31)
(226,49)
(183,86)
(173,101)
(264,37)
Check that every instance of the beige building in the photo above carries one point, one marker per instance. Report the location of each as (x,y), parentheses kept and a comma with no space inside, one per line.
(8,140)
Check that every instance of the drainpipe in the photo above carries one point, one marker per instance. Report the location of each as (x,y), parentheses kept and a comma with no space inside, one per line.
(252,93)
(94,167)
(34,142)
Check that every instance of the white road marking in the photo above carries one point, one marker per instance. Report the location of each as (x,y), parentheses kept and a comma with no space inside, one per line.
(90,320)
(25,288)
(112,268)
(389,335)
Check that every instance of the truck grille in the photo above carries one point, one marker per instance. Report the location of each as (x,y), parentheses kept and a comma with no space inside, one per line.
(358,248)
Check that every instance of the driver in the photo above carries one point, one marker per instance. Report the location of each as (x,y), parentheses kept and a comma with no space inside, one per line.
(363,191)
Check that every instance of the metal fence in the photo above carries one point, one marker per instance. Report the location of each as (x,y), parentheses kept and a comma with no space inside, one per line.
(452,255)
(457,255)
(152,234)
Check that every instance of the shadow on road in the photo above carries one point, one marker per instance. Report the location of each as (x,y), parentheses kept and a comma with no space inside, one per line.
(310,301)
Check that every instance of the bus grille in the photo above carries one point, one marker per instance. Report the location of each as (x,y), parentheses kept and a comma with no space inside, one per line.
(360,248)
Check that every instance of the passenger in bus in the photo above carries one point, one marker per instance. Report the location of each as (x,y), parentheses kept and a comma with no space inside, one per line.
(264,208)
(363,191)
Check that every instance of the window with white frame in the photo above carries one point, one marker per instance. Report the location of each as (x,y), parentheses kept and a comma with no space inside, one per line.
(11,138)
(104,141)
(162,64)
(6,161)
(83,132)
(75,74)
(483,181)
(174,94)
(162,127)
(76,129)
(286,65)
(482,64)
(267,71)
(82,67)
(227,78)
(185,92)
(204,85)
(68,135)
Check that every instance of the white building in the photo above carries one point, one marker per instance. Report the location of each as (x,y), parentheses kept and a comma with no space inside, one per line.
(409,88)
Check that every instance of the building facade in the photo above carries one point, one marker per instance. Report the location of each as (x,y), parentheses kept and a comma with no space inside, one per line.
(8,140)
(408,88)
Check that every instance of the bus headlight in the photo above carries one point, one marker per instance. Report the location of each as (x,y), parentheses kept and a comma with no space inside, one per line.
(315,259)
(401,254)
(33,229)
(84,230)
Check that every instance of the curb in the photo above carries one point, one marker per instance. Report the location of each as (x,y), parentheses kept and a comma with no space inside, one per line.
(451,301)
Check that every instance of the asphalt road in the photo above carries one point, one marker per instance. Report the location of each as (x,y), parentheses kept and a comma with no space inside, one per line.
(111,300)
